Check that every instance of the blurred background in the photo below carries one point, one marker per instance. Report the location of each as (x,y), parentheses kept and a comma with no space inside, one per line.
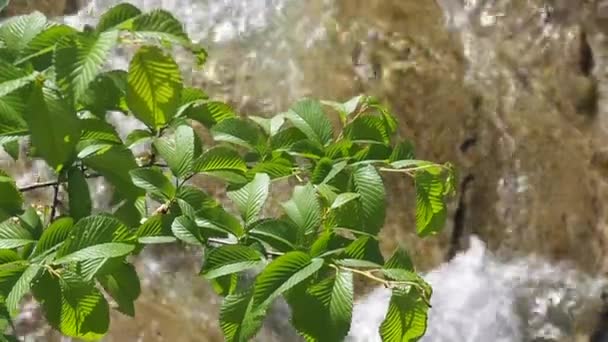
(513,92)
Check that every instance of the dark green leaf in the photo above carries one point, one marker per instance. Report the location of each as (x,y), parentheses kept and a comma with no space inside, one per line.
(21,288)
(304,209)
(13,235)
(278,234)
(209,113)
(230,259)
(54,128)
(154,181)
(308,116)
(123,285)
(431,210)
(369,185)
(237,131)
(107,92)
(221,159)
(39,51)
(367,129)
(138,136)
(103,250)
(364,248)
(154,87)
(12,149)
(98,131)
(78,194)
(239,320)
(11,200)
(115,164)
(157,226)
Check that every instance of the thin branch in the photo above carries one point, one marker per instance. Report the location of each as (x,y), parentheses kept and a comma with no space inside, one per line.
(47,184)
(55,200)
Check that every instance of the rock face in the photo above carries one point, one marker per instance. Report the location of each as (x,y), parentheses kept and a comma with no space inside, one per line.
(52,8)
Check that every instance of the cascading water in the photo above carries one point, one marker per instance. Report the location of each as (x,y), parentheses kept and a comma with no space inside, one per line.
(477,71)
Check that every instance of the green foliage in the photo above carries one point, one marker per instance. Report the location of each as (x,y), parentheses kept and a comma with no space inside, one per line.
(55,92)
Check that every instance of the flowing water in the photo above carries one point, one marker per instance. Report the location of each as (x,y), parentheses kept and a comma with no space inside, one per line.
(512,91)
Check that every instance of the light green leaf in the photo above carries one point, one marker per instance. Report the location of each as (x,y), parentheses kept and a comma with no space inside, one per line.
(308,116)
(208,113)
(364,248)
(92,231)
(406,317)
(239,320)
(78,194)
(221,158)
(153,181)
(275,168)
(123,285)
(250,199)
(368,184)
(74,307)
(230,259)
(282,274)
(431,210)
(286,138)
(237,131)
(400,260)
(54,128)
(304,209)
(54,235)
(278,234)
(21,288)
(186,230)
(162,25)
(270,126)
(138,136)
(79,58)
(12,148)
(369,129)
(7,87)
(180,151)
(8,256)
(107,92)
(116,15)
(104,250)
(154,87)
(17,32)
(344,198)
(98,131)
(13,235)
(156,226)
(39,51)
(9,275)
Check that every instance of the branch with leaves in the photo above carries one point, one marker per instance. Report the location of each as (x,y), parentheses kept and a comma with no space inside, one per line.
(54,91)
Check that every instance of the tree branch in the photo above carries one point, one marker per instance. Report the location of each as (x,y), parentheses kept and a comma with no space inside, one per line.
(55,200)
(47,184)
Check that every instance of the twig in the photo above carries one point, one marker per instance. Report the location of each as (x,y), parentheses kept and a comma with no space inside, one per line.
(55,200)
(228,243)
(50,183)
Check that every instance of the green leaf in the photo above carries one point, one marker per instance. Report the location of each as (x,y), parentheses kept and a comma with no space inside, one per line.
(9,86)
(368,184)
(431,210)
(221,159)
(79,58)
(186,230)
(116,15)
(250,199)
(114,165)
(103,250)
(304,209)
(53,126)
(347,108)
(180,151)
(8,256)
(208,113)
(400,260)
(12,148)
(406,317)
(322,168)
(402,151)
(78,194)
(3,4)
(279,234)
(286,138)
(21,288)
(94,130)
(270,126)
(54,235)
(154,181)
(308,116)
(13,235)
(40,50)
(17,32)
(107,92)
(11,200)
(282,274)
(162,25)
(237,131)
(123,285)
(31,221)
(239,320)
(9,275)
(95,230)
(230,259)
(157,226)
(323,311)
(364,248)
(344,198)
(154,87)
(138,136)
(367,129)
(72,306)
